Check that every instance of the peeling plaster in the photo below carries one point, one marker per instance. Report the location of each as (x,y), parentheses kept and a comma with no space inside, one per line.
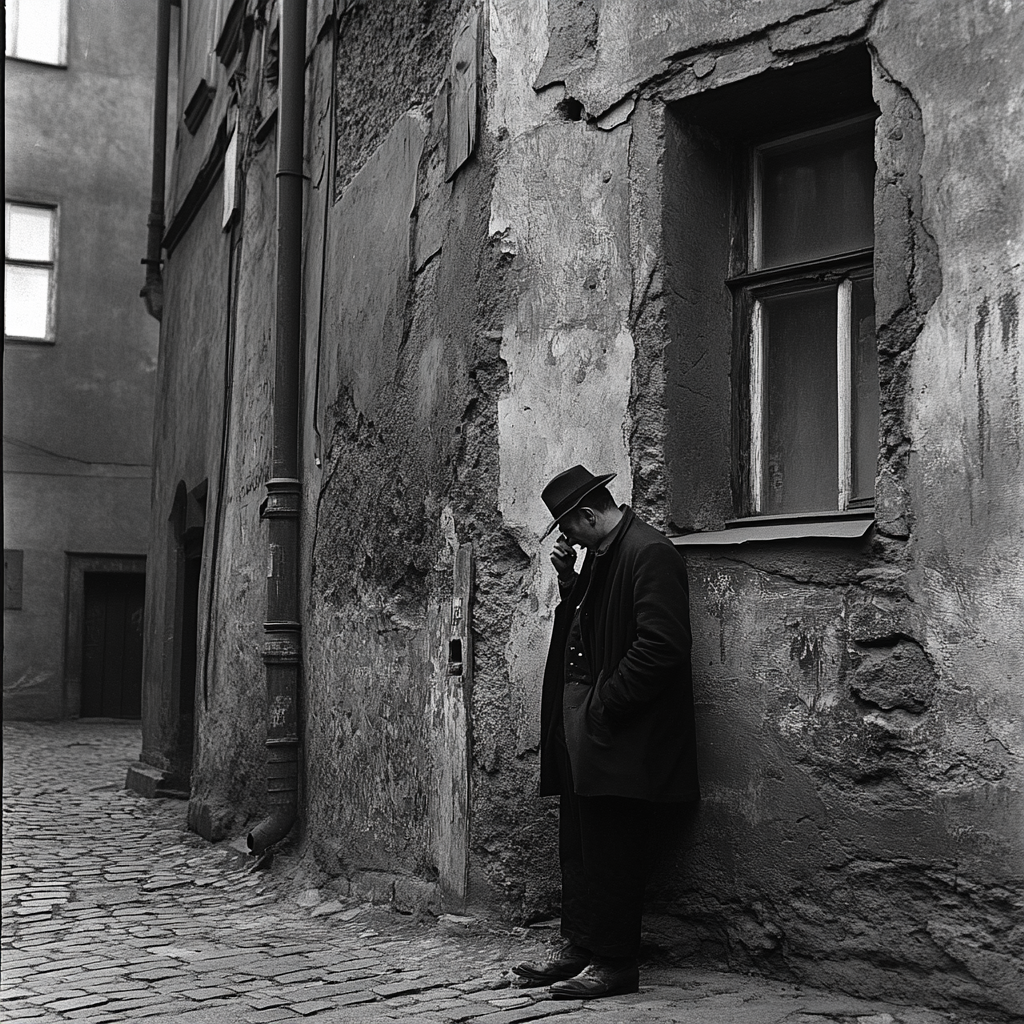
(635,47)
(569,352)
(619,114)
(858,701)
(518,42)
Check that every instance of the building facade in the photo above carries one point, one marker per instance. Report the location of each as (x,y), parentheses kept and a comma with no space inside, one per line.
(80,356)
(763,261)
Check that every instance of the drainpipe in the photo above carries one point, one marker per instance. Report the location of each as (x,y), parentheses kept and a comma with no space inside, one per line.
(282,650)
(153,289)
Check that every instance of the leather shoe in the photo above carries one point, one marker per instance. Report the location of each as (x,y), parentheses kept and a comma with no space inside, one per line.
(565,962)
(597,980)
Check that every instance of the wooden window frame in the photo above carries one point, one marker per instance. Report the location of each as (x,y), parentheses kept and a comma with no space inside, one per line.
(49,265)
(751,288)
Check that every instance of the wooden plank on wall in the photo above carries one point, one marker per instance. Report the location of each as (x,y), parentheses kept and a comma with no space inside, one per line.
(452,822)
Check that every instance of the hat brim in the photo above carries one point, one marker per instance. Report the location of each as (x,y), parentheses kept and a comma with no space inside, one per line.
(599,482)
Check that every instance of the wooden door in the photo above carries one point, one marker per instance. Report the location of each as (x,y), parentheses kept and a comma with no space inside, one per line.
(112,649)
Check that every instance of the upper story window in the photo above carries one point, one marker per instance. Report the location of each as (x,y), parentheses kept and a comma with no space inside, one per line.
(809,322)
(37,31)
(30,244)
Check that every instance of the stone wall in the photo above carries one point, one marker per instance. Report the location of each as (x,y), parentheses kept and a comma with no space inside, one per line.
(469,334)
(860,757)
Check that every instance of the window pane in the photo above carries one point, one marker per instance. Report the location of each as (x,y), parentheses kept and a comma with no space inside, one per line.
(38,29)
(11,27)
(29,233)
(864,371)
(801,459)
(26,298)
(816,198)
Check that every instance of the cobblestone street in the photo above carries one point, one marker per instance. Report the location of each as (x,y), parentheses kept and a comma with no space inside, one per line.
(112,911)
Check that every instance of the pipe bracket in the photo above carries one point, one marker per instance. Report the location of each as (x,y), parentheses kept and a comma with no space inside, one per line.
(282,500)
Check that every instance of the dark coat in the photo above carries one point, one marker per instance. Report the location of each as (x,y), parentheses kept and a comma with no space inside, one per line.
(632,732)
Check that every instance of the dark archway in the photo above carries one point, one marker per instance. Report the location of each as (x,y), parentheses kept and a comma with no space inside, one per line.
(188,527)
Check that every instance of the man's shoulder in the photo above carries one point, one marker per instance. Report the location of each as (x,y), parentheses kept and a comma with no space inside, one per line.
(641,534)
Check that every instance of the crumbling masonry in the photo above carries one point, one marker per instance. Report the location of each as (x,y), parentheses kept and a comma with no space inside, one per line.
(520,220)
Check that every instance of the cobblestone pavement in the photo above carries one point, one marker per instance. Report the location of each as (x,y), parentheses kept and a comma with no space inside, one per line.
(112,911)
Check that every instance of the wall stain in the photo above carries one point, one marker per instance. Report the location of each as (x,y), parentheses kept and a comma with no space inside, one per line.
(1009,321)
(980,326)
(1009,318)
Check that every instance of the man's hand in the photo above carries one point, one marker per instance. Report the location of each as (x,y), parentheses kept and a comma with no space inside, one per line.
(563,558)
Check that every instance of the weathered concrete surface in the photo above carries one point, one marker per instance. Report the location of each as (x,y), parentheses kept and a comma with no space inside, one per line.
(190,377)
(464,339)
(404,399)
(78,412)
(228,759)
(865,747)
(568,349)
(633,47)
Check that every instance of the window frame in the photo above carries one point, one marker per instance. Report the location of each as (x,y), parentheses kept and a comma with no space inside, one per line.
(756,283)
(50,265)
(12,15)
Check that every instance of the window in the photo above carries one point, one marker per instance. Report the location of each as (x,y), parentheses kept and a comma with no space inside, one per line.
(771,372)
(30,234)
(809,322)
(37,31)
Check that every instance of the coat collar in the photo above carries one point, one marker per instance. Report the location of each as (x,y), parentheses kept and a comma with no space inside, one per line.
(613,538)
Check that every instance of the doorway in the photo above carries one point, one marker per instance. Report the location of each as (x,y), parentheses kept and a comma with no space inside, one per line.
(105,619)
(188,528)
(112,644)
(189,634)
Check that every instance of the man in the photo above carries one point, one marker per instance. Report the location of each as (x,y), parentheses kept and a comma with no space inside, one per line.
(617,727)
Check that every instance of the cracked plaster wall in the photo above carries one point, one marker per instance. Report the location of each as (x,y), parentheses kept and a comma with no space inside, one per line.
(401,414)
(858,705)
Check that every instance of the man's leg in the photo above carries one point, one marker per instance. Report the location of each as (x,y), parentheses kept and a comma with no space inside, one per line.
(574,954)
(576,902)
(615,842)
(614,837)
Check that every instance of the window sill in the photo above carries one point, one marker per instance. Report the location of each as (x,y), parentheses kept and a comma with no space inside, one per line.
(824,525)
(60,66)
(14,339)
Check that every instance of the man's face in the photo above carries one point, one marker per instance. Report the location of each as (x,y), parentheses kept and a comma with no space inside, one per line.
(579,527)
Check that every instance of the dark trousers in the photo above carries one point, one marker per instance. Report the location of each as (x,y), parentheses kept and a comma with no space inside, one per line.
(603,847)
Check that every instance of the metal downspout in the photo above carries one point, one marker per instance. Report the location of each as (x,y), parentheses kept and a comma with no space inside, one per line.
(153,289)
(282,649)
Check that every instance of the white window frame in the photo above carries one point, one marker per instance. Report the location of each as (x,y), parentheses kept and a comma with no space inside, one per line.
(51,265)
(844,398)
(13,13)
(844,334)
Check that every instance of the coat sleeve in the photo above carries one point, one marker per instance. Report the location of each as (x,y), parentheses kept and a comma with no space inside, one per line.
(566,585)
(659,656)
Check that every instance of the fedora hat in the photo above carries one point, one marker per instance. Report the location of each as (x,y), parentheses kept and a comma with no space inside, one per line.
(567,490)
